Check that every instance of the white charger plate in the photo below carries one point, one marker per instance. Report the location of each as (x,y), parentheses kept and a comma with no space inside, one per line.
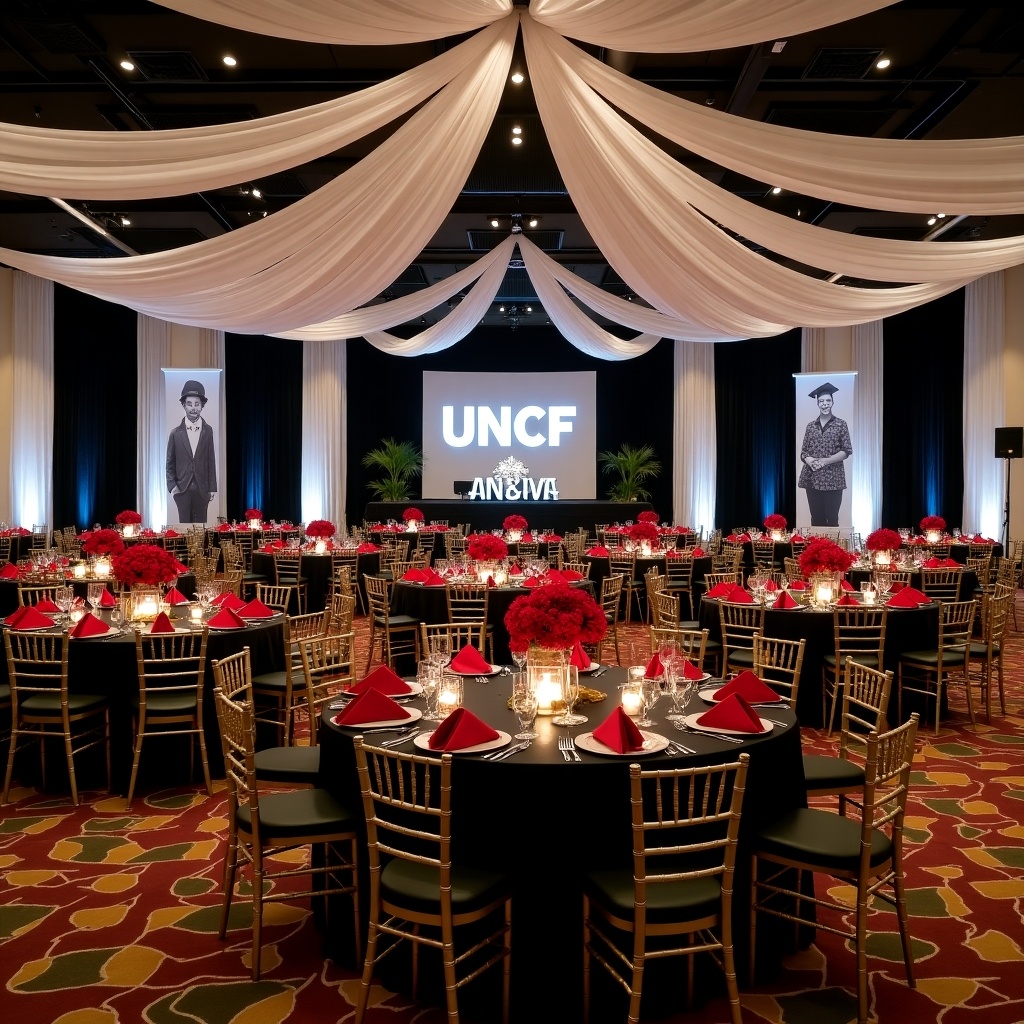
(494,670)
(415,689)
(691,721)
(423,743)
(414,716)
(653,743)
(709,695)
(592,667)
(98,636)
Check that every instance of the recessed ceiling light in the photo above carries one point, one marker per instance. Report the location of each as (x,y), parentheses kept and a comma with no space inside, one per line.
(125,221)
(533,222)
(494,222)
(517,77)
(501,309)
(229,60)
(940,215)
(517,130)
(127,65)
(776,190)
(517,140)
(883,63)
(257,193)
(931,221)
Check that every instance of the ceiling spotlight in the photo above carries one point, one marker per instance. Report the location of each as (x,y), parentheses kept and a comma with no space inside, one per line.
(494,222)
(229,60)
(517,140)
(883,63)
(257,193)
(930,221)
(779,45)
(125,221)
(517,77)
(776,191)
(127,65)
(941,216)
(533,222)
(501,309)
(517,130)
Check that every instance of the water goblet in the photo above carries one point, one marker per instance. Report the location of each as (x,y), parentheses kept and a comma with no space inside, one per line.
(116,616)
(525,704)
(680,689)
(519,657)
(64,597)
(94,595)
(428,676)
(650,693)
(570,694)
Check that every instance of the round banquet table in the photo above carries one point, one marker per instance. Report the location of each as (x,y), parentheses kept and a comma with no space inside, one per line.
(186,583)
(317,571)
(108,666)
(547,821)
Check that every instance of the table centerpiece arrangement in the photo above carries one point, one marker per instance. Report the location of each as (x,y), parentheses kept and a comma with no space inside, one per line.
(824,563)
(129,520)
(933,528)
(144,569)
(775,526)
(882,544)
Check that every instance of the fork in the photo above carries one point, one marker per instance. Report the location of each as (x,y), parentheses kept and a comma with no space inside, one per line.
(568,749)
(683,727)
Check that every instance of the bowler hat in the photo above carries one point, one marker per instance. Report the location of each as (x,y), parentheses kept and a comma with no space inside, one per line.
(194,388)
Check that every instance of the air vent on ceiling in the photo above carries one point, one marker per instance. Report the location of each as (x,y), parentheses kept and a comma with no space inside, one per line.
(167,65)
(486,239)
(842,62)
(413,274)
(283,184)
(504,169)
(196,117)
(837,119)
(59,36)
(516,287)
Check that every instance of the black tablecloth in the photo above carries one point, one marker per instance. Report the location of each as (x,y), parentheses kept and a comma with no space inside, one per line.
(9,591)
(547,821)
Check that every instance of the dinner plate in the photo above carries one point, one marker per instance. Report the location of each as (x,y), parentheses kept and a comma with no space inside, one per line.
(414,715)
(592,667)
(495,669)
(415,689)
(224,629)
(710,696)
(653,743)
(98,636)
(691,721)
(177,629)
(261,618)
(423,742)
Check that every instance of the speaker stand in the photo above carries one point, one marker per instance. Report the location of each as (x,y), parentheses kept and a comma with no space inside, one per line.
(1005,535)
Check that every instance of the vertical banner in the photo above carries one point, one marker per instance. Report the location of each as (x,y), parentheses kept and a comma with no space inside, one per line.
(824,451)
(193,401)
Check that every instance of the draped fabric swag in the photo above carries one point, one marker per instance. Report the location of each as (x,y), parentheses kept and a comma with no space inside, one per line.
(324,433)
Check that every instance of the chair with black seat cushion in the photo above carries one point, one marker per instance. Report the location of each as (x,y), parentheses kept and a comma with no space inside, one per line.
(764,553)
(32,593)
(779,663)
(865,706)
(397,634)
(865,853)
(941,584)
(171,668)
(327,670)
(42,708)
(262,826)
(685,824)
(623,563)
(680,581)
(287,573)
(926,671)
(467,602)
(739,624)
(654,583)
(986,650)
(858,632)
(665,609)
(457,634)
(417,893)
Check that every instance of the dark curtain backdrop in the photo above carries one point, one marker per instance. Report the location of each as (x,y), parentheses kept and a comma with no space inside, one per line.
(385,394)
(95,426)
(922,419)
(756,424)
(263,396)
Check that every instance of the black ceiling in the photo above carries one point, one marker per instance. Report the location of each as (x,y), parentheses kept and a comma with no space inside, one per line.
(956,72)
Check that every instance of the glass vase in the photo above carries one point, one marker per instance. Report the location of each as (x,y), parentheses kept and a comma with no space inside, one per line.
(544,670)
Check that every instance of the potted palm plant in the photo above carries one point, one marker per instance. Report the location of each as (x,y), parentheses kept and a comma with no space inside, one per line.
(400,461)
(633,466)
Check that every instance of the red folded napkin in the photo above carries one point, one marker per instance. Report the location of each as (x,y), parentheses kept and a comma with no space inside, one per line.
(9,572)
(171,533)
(225,528)
(903,599)
(44,604)
(516,570)
(797,585)
(721,590)
(785,601)
(162,624)
(846,585)
(434,579)
(654,667)
(384,680)
(691,671)
(459,730)
(771,585)
(846,599)
(933,563)
(470,661)
(619,732)
(697,553)
(256,609)
(367,548)
(28,618)
(174,597)
(227,618)
(228,600)
(733,713)
(600,551)
(555,576)
(744,537)
(180,567)
(571,575)
(917,595)
(371,706)
(89,625)
(414,575)
(490,581)
(741,596)
(748,686)
(797,538)
(107,599)
(579,657)
(951,563)
(732,538)
(532,581)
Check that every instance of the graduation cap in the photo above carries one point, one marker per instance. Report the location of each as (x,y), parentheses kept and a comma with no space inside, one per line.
(823,389)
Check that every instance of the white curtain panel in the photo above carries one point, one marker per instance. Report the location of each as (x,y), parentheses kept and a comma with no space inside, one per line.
(980,176)
(124,165)
(348,22)
(154,353)
(695,441)
(32,402)
(984,410)
(685,26)
(324,438)
(328,253)
(812,349)
(866,427)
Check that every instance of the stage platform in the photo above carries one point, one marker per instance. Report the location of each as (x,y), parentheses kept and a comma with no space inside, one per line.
(489,515)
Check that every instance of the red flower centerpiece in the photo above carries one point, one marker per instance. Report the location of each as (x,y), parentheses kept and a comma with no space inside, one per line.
(485,547)
(775,524)
(129,521)
(145,565)
(643,533)
(556,617)
(103,542)
(412,515)
(254,517)
(320,528)
(933,527)
(515,522)
(648,517)
(882,543)
(824,555)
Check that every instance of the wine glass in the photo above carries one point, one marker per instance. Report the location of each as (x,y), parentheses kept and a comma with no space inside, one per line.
(116,616)
(650,692)
(680,689)
(524,704)
(64,597)
(440,649)
(570,694)
(95,595)
(519,657)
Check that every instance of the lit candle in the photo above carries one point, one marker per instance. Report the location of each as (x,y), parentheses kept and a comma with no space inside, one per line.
(128,530)
(79,571)
(320,547)
(102,567)
(447,701)
(196,612)
(548,691)
(255,524)
(631,702)
(146,608)
(76,614)
(823,594)
(869,597)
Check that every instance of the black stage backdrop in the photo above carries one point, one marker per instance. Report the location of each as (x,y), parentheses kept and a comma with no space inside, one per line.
(756,424)
(922,417)
(94,400)
(634,398)
(263,397)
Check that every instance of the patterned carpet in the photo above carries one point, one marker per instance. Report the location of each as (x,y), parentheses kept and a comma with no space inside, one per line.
(112,917)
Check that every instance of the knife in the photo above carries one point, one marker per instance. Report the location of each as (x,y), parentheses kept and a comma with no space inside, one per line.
(600,672)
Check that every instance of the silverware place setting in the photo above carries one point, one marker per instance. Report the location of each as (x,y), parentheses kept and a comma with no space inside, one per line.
(683,727)
(568,749)
(500,755)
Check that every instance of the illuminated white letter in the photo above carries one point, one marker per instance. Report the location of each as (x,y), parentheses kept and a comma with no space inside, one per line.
(448,426)
(555,424)
(489,423)
(523,436)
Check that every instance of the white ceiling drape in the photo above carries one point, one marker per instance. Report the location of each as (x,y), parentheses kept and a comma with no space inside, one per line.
(144,165)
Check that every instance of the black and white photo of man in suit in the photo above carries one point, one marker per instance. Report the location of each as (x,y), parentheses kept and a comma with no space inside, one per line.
(191,460)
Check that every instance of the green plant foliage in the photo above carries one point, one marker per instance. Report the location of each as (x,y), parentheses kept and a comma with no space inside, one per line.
(400,462)
(633,466)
